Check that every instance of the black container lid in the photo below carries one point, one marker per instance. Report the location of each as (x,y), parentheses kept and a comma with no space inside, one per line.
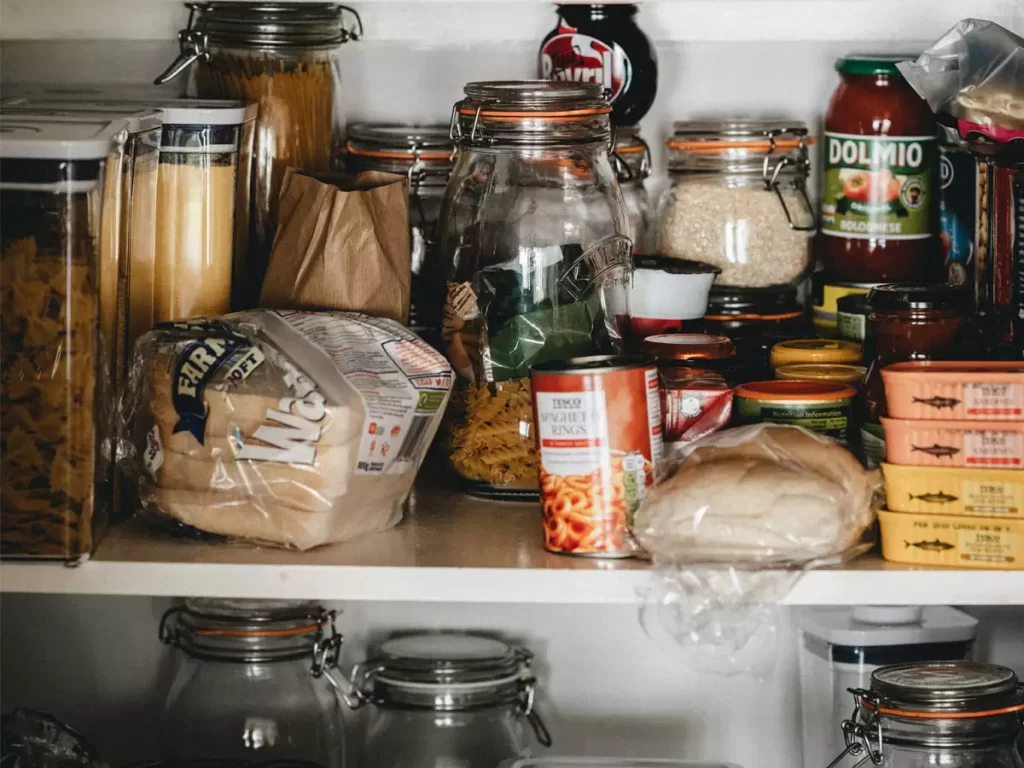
(854,304)
(756,301)
(899,297)
(674,266)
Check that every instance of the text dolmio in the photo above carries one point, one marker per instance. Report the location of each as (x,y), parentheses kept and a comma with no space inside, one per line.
(875,153)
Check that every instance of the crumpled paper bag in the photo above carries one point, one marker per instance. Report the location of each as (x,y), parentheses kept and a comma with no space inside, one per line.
(342,242)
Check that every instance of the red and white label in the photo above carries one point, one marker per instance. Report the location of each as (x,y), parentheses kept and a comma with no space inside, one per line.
(994,400)
(994,449)
(584,59)
(572,427)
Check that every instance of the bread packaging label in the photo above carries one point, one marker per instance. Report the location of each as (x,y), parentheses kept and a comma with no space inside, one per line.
(289,427)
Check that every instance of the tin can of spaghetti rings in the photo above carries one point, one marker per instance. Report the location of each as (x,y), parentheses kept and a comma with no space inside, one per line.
(598,428)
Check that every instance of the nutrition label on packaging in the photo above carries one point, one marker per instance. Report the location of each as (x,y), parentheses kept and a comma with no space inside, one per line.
(994,400)
(402,382)
(983,448)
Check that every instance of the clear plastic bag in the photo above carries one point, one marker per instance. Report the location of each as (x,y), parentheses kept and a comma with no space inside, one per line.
(731,529)
(973,79)
(289,428)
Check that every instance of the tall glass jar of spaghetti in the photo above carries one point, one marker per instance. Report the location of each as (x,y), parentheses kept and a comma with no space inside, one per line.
(537,262)
(282,56)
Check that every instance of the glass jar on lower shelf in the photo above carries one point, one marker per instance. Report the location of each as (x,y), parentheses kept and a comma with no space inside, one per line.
(446,699)
(252,683)
(960,714)
(738,201)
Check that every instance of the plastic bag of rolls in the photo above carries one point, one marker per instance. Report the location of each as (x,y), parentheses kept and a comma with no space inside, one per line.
(287,428)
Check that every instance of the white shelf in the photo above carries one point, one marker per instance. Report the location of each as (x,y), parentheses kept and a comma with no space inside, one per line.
(453,548)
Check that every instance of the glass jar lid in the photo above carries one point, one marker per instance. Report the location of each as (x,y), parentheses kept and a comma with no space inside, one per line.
(951,688)
(631,156)
(531,113)
(739,146)
(424,152)
(689,346)
(247,630)
(903,297)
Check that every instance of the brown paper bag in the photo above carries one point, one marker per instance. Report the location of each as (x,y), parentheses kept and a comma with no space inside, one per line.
(342,242)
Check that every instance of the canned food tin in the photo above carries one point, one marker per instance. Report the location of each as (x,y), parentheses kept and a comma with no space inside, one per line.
(599,438)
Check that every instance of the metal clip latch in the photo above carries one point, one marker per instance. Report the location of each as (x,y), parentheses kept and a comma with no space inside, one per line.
(858,736)
(771,177)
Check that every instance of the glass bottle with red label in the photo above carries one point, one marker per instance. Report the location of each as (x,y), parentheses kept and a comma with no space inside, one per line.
(603,44)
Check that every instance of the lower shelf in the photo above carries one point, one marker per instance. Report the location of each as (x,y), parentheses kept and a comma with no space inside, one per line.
(454,548)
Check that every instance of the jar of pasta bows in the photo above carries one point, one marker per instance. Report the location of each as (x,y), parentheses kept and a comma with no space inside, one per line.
(537,260)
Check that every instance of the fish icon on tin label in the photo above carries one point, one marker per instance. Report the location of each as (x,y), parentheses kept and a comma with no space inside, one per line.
(938,451)
(930,546)
(939,402)
(934,498)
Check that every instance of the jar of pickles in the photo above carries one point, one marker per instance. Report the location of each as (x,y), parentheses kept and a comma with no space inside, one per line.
(632,163)
(447,699)
(424,154)
(537,262)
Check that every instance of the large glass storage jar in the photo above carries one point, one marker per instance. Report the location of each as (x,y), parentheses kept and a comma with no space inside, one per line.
(738,201)
(935,714)
(446,699)
(536,259)
(54,378)
(424,154)
(282,56)
(632,162)
(253,683)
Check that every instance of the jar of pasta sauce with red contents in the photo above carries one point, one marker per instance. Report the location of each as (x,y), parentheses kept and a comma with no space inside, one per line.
(879,193)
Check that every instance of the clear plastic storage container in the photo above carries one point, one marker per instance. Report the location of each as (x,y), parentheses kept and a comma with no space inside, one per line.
(283,57)
(446,699)
(425,154)
(252,683)
(738,201)
(55,387)
(534,247)
(841,647)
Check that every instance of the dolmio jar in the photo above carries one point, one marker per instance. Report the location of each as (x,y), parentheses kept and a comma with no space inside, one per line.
(878,209)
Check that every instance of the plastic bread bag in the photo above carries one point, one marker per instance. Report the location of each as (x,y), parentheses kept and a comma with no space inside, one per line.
(973,79)
(732,528)
(282,427)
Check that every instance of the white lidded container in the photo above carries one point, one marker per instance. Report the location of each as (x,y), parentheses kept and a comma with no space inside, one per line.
(841,647)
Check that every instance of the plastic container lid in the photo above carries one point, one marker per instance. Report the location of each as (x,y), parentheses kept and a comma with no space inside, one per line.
(837,372)
(756,304)
(810,391)
(607,762)
(901,297)
(689,346)
(137,119)
(23,137)
(171,111)
(872,63)
(854,304)
(815,351)
(874,626)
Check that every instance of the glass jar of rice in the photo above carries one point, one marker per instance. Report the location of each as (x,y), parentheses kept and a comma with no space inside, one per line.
(282,56)
(738,201)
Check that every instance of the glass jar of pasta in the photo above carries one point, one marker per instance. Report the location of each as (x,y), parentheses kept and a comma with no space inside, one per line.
(537,261)
(282,56)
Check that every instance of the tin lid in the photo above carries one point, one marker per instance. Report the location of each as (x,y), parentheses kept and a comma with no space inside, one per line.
(271,24)
(899,297)
(815,351)
(838,372)
(948,688)
(783,390)
(21,136)
(872,63)
(689,346)
(594,364)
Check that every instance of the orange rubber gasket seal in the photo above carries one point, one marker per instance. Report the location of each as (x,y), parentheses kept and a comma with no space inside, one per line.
(947,715)
(783,316)
(571,114)
(712,146)
(257,633)
(629,150)
(392,155)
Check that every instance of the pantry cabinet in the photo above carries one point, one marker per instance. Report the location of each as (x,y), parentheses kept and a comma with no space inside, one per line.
(83,643)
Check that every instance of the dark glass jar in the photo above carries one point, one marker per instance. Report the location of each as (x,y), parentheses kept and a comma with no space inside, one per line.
(603,44)
(879,196)
(694,350)
(909,322)
(756,320)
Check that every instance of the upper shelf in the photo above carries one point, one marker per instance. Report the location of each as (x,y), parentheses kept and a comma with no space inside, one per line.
(477,21)
(453,548)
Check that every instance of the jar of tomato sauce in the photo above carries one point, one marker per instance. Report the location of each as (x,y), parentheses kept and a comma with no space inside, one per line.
(878,209)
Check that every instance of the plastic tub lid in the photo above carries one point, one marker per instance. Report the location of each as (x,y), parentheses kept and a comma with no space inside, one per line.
(608,762)
(873,626)
(172,111)
(815,351)
(136,120)
(795,391)
(23,137)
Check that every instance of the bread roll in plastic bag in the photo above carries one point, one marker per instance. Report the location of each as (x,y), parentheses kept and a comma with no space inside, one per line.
(765,495)
(283,427)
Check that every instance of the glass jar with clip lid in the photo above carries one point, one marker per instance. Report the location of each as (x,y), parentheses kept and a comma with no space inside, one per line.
(425,155)
(446,698)
(738,201)
(537,262)
(928,714)
(631,159)
(252,683)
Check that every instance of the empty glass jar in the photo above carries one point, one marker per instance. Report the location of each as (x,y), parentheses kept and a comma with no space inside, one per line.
(252,683)
(446,699)
(955,714)
(536,257)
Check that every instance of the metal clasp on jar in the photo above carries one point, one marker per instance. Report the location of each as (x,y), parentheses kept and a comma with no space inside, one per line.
(770,174)
(622,170)
(527,696)
(858,736)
